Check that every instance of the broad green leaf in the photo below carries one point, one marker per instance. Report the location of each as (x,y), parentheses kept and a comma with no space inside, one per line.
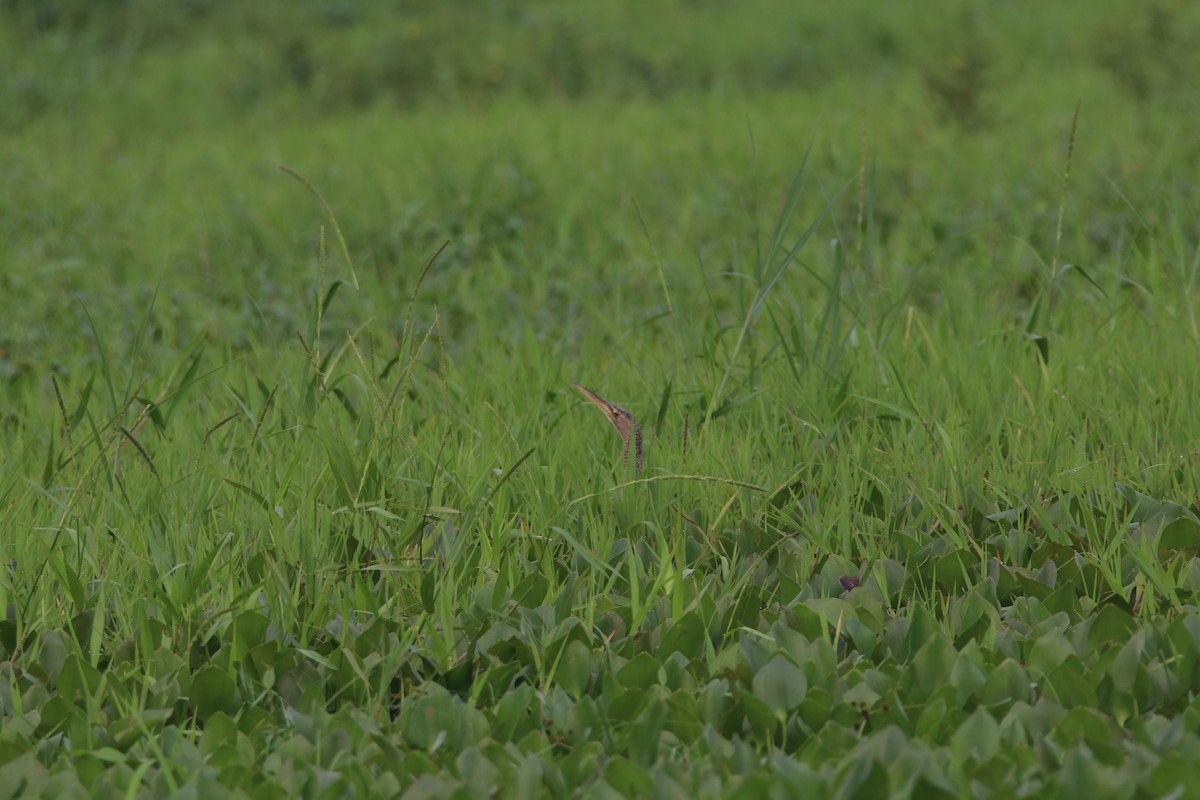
(23,776)
(967,678)
(687,635)
(57,714)
(219,729)
(977,739)
(764,718)
(1111,624)
(477,771)
(1063,600)
(922,628)
(1081,775)
(434,720)
(715,700)
(531,591)
(781,684)
(641,671)
(1049,650)
(802,780)
(862,779)
(1007,683)
(574,673)
(674,673)
(249,630)
(78,680)
(628,778)
(950,573)
(1067,685)
(1092,728)
(515,714)
(829,745)
(644,735)
(931,667)
(53,653)
(581,766)
(683,716)
(1125,667)
(212,690)
(932,715)
(1171,777)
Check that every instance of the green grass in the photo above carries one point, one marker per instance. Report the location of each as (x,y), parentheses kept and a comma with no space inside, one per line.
(298,500)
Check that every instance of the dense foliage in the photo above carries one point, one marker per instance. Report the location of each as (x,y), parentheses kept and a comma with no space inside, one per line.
(296,497)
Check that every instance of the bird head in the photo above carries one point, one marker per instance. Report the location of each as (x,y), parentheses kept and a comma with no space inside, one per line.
(622,420)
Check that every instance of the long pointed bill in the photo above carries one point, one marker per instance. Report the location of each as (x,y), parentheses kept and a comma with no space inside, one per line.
(623,421)
(596,399)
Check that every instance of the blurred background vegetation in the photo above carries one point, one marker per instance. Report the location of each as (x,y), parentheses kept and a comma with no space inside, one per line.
(322,57)
(594,139)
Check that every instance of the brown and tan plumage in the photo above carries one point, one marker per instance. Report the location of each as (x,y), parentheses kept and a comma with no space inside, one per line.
(625,423)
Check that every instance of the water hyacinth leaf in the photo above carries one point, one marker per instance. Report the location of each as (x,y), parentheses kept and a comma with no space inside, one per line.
(781,684)
(514,716)
(580,767)
(932,715)
(641,671)
(432,787)
(950,573)
(1067,685)
(531,591)
(966,677)
(1007,683)
(437,719)
(480,775)
(683,716)
(932,665)
(628,778)
(1171,776)
(58,715)
(1063,600)
(802,780)
(763,718)
(219,729)
(249,630)
(922,627)
(864,639)
(977,739)
(830,744)
(79,680)
(1082,775)
(1143,508)
(213,690)
(1111,624)
(746,612)
(53,653)
(1090,727)
(574,673)
(687,636)
(750,654)
(627,705)
(807,621)
(645,734)
(1127,666)
(863,778)
(1182,535)
(715,700)
(1048,651)
(974,614)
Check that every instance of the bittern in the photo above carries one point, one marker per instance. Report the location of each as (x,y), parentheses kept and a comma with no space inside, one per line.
(625,423)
